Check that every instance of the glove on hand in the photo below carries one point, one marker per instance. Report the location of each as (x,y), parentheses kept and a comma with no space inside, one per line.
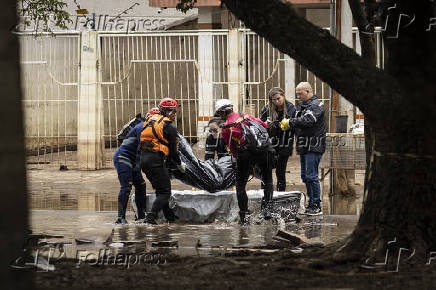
(284,124)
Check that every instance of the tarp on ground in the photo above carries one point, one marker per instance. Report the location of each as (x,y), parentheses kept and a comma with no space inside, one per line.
(201,206)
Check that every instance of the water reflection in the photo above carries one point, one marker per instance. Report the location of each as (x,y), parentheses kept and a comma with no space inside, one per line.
(72,201)
(137,237)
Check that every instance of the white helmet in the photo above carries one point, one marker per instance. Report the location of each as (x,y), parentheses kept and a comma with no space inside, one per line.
(222,104)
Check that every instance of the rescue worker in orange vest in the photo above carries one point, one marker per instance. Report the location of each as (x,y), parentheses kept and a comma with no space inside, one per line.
(159,145)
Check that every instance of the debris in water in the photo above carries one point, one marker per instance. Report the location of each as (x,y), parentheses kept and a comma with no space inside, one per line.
(297,250)
(44,236)
(84,241)
(101,236)
(291,238)
(127,243)
(236,249)
(116,245)
(54,244)
(279,239)
(165,244)
(297,240)
(312,244)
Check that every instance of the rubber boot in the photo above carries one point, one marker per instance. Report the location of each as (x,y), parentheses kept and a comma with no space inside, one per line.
(281,186)
(140,201)
(169,214)
(121,221)
(267,206)
(267,210)
(150,218)
(244,218)
(122,206)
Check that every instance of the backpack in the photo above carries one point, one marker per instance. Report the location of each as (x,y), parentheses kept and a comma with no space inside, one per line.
(255,135)
(127,127)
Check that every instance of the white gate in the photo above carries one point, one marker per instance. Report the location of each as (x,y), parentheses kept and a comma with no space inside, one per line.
(138,70)
(135,71)
(50,74)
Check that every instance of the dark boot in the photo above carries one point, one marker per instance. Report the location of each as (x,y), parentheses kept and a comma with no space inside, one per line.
(140,201)
(121,221)
(267,210)
(122,206)
(150,218)
(169,214)
(244,218)
(281,186)
(267,206)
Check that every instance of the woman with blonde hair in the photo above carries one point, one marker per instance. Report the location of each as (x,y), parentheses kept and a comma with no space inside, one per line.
(277,109)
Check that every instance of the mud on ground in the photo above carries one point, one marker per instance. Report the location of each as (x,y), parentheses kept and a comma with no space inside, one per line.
(241,270)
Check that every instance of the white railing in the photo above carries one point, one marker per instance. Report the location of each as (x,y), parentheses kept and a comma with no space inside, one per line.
(135,71)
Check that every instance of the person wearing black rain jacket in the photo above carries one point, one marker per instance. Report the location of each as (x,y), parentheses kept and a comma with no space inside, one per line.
(273,113)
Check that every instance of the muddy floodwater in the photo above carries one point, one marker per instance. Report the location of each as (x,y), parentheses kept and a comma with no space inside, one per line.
(82,205)
(98,228)
(79,208)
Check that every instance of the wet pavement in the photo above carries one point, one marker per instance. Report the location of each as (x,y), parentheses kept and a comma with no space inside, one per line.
(82,205)
(93,231)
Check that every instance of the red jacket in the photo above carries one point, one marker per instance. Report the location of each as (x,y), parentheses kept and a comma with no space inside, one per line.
(233,136)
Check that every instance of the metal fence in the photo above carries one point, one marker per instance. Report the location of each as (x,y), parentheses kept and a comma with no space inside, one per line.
(344,151)
(50,74)
(136,71)
(267,67)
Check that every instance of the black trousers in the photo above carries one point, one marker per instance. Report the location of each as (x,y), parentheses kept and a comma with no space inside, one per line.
(245,163)
(282,161)
(153,166)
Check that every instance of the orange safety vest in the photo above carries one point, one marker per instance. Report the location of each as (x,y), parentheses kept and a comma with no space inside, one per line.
(152,134)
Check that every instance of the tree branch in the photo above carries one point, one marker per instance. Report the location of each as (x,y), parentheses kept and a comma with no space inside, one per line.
(326,57)
(366,30)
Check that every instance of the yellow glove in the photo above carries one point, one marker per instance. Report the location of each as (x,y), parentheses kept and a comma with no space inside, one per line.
(284,124)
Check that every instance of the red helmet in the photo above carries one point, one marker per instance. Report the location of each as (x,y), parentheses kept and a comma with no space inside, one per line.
(168,103)
(154,111)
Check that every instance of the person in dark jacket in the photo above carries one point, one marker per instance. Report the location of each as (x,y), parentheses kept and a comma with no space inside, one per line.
(273,113)
(246,158)
(310,130)
(214,142)
(159,141)
(126,161)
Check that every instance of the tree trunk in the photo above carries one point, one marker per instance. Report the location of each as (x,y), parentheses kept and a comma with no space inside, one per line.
(398,103)
(402,183)
(13,208)
(399,205)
